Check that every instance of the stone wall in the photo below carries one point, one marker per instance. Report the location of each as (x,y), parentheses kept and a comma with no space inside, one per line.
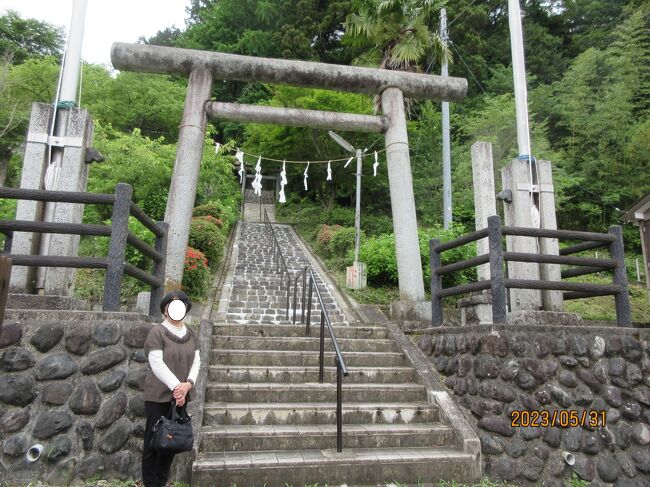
(75,388)
(495,370)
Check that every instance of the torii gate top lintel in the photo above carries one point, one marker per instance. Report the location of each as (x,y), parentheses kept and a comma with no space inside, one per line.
(173,60)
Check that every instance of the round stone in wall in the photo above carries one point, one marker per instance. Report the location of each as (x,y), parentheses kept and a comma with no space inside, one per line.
(15,445)
(47,336)
(607,468)
(16,420)
(135,378)
(86,433)
(641,434)
(503,469)
(102,360)
(50,423)
(86,399)
(63,472)
(57,366)
(496,424)
(56,393)
(78,340)
(116,436)
(136,336)
(136,405)
(17,390)
(107,334)
(58,448)
(139,356)
(10,334)
(111,410)
(90,466)
(16,359)
(123,465)
(111,380)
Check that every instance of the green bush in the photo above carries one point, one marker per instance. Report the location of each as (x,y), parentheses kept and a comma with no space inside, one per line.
(324,236)
(342,242)
(376,224)
(196,275)
(379,255)
(207,237)
(226,214)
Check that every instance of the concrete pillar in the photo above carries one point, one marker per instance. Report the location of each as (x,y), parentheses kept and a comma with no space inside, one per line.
(551,300)
(59,281)
(34,166)
(485,203)
(185,176)
(400,180)
(516,177)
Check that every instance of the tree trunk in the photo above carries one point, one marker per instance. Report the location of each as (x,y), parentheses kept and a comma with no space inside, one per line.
(5,156)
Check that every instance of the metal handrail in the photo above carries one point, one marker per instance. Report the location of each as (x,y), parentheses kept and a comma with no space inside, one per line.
(341,368)
(279,260)
(307,273)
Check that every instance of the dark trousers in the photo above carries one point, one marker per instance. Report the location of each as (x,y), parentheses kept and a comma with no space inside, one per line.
(155,466)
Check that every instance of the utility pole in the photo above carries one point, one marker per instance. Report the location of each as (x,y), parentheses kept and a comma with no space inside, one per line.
(67,92)
(519,75)
(446,142)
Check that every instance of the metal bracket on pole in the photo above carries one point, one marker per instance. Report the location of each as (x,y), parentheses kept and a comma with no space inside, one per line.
(55,141)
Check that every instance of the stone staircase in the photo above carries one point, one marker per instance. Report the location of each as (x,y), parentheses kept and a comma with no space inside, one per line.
(256,295)
(268,421)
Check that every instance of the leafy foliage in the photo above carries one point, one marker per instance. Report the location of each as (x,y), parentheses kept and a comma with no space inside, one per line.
(196,275)
(208,238)
(21,39)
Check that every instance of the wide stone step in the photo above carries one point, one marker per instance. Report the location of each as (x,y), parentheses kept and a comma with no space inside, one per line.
(314,392)
(304,343)
(222,413)
(279,319)
(354,466)
(323,436)
(298,330)
(243,374)
(290,358)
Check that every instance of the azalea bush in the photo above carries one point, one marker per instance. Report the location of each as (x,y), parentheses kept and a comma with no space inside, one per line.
(196,275)
(207,237)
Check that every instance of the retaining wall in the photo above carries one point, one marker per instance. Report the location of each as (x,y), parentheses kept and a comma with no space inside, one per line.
(76,388)
(495,371)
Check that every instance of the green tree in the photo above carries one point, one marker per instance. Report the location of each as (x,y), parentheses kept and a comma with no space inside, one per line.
(27,38)
(396,32)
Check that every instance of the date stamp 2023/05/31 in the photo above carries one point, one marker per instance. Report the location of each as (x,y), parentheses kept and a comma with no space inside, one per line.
(564,418)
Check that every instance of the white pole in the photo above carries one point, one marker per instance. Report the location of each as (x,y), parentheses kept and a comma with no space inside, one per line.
(519,74)
(446,142)
(72,64)
(357,214)
(67,93)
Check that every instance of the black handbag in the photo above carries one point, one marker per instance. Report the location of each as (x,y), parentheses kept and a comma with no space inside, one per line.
(173,435)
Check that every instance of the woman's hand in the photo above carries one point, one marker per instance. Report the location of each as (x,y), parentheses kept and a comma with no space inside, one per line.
(180,392)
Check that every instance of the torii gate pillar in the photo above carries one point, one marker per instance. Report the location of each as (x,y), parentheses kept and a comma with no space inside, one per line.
(185,177)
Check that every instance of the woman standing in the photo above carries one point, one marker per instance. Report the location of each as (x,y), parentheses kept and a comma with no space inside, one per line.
(173,353)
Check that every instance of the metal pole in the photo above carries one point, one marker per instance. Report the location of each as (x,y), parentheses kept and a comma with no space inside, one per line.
(519,75)
(304,291)
(321,371)
(339,407)
(311,284)
(357,215)
(446,141)
(68,93)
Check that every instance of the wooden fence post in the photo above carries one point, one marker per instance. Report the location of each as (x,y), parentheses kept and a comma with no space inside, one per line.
(5,278)
(159,271)
(117,247)
(622,298)
(497,285)
(436,283)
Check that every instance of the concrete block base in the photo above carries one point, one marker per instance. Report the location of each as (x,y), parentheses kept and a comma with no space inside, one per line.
(410,311)
(476,309)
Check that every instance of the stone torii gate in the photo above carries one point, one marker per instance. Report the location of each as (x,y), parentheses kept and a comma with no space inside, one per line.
(203,67)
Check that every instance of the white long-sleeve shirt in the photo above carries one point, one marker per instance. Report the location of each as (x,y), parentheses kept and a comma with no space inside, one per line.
(160,369)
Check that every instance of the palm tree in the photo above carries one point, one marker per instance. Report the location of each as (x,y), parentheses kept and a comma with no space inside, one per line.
(397,33)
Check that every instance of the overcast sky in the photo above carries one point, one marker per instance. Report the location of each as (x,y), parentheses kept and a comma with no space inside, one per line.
(107,21)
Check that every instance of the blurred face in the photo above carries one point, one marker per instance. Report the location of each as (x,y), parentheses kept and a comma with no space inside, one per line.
(176,310)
